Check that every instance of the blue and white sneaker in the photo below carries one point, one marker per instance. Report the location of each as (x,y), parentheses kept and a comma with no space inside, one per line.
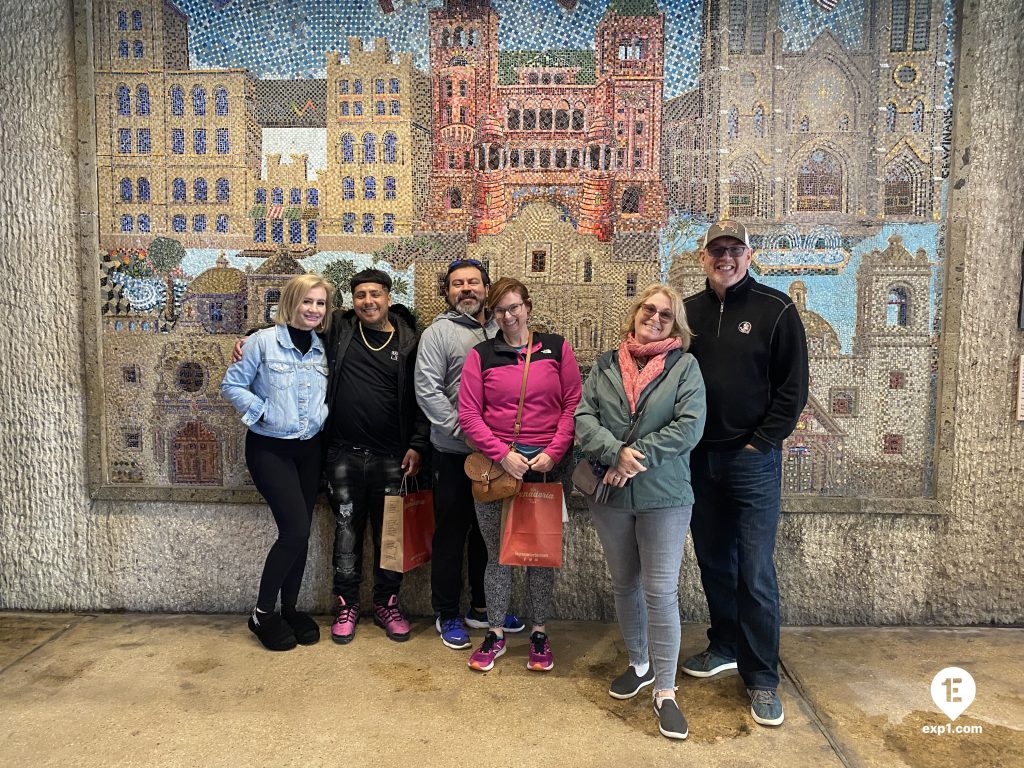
(477,620)
(453,634)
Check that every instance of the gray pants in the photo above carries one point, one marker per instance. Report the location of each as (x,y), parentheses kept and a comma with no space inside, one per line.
(644,549)
(498,578)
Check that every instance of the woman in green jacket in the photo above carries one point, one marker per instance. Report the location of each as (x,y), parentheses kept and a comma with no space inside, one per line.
(641,413)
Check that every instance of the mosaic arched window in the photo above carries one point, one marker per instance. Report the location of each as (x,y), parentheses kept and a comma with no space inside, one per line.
(631,200)
(369,148)
(220,100)
(261,196)
(348,222)
(199,190)
(142,100)
(898,26)
(136,20)
(259,232)
(222,223)
(143,141)
(389,187)
(897,307)
(127,223)
(223,190)
(144,225)
(137,49)
(312,196)
(446,38)
(277,231)
(348,188)
(578,123)
(177,101)
(295,196)
(199,222)
(588,270)
(143,189)
(122,49)
(529,119)
(368,223)
(126,190)
(890,117)
(311,231)
(454,198)
(177,141)
(277,196)
(899,190)
(512,120)
(190,377)
(348,152)
(742,194)
(124,100)
(917,117)
(819,183)
(733,123)
(357,86)
(759,121)
(178,223)
(562,118)
(223,147)
(199,141)
(390,147)
(178,190)
(294,231)
(369,188)
(122,19)
(199,101)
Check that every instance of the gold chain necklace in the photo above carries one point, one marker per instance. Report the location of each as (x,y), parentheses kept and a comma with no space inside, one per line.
(376,349)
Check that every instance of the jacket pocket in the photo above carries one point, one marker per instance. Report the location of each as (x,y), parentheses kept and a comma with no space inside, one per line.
(282,375)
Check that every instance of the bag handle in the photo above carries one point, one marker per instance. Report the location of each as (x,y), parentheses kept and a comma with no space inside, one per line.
(522,388)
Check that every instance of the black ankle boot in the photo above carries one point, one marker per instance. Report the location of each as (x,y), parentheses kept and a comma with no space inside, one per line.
(307,631)
(272,631)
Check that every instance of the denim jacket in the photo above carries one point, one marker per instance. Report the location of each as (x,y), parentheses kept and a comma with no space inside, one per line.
(279,391)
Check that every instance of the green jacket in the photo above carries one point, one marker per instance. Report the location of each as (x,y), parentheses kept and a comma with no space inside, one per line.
(671,424)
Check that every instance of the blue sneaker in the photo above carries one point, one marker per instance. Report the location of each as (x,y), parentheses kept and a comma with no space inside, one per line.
(453,634)
(478,620)
(707,664)
(765,706)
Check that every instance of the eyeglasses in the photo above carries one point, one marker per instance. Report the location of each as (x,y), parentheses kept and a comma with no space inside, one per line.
(511,309)
(720,250)
(649,311)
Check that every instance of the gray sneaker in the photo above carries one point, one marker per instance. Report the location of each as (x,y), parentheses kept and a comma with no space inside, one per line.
(628,684)
(671,722)
(707,664)
(765,706)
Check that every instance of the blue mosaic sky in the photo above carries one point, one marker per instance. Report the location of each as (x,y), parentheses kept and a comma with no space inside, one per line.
(288,38)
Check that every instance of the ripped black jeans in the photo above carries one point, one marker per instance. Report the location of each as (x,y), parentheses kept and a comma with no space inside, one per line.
(357,482)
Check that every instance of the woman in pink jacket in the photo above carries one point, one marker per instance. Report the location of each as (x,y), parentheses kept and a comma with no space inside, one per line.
(488,400)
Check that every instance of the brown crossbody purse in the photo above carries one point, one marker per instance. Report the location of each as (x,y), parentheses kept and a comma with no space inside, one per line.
(489,479)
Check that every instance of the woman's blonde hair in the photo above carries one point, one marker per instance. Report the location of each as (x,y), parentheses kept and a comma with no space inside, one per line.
(295,291)
(680,328)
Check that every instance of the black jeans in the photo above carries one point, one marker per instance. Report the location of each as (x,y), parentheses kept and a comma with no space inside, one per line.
(454,521)
(358,480)
(287,474)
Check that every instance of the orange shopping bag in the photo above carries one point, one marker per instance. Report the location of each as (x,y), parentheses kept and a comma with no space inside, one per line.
(531,533)
(407,531)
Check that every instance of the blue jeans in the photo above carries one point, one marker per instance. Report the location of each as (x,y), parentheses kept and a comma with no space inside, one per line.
(644,549)
(735,518)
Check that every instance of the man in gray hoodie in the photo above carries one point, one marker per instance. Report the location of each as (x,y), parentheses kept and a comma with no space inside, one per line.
(442,352)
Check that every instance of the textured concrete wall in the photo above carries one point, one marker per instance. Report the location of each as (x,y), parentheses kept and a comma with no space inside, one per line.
(61,550)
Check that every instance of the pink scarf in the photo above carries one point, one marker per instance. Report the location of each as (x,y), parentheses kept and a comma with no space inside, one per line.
(634,380)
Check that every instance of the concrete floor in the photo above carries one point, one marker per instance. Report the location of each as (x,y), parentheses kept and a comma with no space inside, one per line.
(166,690)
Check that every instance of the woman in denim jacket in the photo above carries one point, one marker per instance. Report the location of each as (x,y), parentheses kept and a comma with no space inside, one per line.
(279,386)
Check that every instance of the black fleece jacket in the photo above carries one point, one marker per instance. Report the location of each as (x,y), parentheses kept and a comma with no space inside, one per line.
(752,352)
(414,425)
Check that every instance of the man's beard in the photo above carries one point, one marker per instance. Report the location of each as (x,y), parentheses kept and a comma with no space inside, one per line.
(469,305)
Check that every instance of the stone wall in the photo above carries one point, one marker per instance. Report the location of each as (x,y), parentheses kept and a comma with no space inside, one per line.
(61,550)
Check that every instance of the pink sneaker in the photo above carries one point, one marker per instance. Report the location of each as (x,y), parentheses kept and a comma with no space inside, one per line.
(344,626)
(541,658)
(390,617)
(483,657)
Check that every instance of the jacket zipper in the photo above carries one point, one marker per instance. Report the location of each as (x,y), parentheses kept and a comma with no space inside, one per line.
(721,311)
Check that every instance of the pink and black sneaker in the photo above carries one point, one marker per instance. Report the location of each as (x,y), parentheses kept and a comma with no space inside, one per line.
(541,658)
(483,657)
(391,618)
(344,626)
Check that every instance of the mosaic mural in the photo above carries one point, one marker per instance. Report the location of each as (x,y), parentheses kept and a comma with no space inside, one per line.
(581,147)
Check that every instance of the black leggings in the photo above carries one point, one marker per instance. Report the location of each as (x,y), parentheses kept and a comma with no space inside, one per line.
(287,474)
